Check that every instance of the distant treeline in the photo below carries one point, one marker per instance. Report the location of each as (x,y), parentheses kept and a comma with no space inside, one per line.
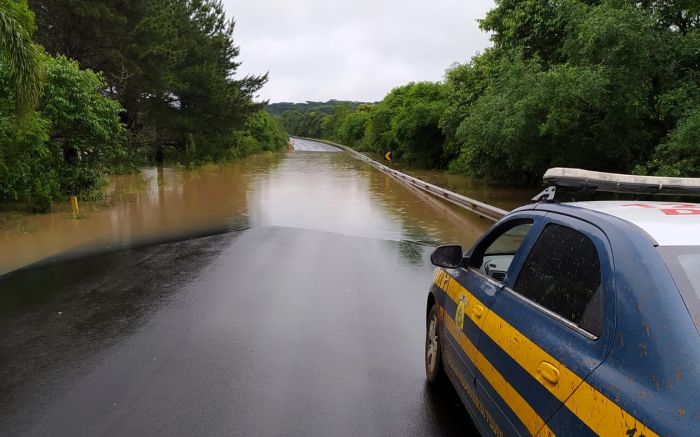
(328,107)
(608,85)
(93,86)
(306,119)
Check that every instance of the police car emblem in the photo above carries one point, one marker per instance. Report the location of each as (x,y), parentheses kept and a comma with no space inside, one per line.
(459,314)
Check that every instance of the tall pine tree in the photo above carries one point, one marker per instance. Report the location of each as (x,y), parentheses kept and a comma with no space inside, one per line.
(171,64)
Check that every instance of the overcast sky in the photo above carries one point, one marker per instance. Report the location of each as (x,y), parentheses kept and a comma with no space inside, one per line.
(353,49)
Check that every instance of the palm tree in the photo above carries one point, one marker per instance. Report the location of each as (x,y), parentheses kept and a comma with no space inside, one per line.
(20,54)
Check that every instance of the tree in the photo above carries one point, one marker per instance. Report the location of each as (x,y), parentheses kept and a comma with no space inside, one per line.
(262,133)
(311,125)
(464,85)
(683,15)
(679,153)
(314,119)
(171,63)
(86,133)
(352,130)
(379,135)
(67,145)
(416,125)
(20,54)
(606,85)
(291,120)
(330,127)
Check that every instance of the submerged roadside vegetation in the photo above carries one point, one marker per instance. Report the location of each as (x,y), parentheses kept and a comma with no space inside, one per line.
(91,88)
(611,85)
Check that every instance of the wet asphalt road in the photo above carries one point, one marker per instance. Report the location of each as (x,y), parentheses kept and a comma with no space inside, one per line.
(312,146)
(271,330)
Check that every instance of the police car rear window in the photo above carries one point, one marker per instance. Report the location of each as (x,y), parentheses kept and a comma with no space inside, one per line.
(684,264)
(691,266)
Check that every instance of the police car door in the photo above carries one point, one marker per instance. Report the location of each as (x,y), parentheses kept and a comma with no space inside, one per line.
(469,292)
(549,327)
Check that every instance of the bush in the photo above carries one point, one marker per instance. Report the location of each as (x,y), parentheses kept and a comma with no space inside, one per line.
(679,154)
(267,130)
(352,130)
(599,85)
(84,124)
(67,145)
(262,133)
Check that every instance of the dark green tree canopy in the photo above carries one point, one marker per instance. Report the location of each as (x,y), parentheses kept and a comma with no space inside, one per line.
(170,63)
(609,85)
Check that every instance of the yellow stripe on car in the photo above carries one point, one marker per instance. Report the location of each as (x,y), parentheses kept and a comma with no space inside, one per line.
(527,415)
(598,412)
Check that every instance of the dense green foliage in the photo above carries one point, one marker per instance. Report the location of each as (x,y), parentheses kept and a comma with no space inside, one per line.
(306,119)
(170,63)
(352,130)
(277,109)
(124,82)
(601,84)
(66,145)
(406,122)
(20,54)
(262,133)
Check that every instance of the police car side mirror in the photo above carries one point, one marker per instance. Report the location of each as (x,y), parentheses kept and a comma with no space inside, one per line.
(449,257)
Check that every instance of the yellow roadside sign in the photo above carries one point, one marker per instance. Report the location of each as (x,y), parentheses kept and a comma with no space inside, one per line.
(387,156)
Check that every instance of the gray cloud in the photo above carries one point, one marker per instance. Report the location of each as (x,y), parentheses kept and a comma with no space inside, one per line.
(354,50)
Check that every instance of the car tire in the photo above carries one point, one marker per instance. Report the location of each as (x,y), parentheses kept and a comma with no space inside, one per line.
(433,348)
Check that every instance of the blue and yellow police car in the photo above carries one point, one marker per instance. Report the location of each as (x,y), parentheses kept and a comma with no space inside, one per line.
(579,318)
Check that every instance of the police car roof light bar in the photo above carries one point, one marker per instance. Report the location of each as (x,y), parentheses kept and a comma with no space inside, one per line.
(586,180)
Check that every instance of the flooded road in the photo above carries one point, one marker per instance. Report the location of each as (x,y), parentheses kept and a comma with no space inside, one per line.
(507,198)
(323,191)
(302,313)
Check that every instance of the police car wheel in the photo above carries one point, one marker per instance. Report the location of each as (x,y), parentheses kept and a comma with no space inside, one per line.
(433,348)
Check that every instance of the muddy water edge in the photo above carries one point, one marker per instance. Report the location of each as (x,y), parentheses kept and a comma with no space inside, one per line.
(330,192)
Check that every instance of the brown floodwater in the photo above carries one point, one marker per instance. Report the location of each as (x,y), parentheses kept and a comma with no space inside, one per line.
(323,191)
(504,197)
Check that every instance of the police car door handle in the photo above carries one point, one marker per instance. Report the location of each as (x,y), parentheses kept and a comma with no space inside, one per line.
(548,372)
(478,311)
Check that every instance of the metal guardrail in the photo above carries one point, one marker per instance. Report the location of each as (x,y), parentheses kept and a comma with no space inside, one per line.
(480,208)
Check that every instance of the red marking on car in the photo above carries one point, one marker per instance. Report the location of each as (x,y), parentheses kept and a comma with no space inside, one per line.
(670,209)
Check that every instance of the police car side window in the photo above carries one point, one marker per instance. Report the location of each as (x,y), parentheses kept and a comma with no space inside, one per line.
(494,256)
(562,273)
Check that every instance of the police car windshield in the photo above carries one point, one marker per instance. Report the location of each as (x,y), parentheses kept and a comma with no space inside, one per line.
(684,264)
